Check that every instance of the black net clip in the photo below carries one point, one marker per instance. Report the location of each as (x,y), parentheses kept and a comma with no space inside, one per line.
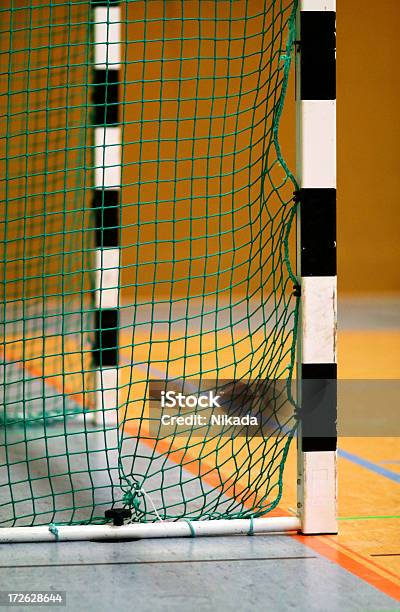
(118,515)
(296,290)
(297,196)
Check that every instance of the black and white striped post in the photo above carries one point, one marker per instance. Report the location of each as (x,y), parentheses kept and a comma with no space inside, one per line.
(106,17)
(316,157)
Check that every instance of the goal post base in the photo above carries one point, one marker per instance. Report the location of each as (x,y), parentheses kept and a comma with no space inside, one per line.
(317,492)
(178,529)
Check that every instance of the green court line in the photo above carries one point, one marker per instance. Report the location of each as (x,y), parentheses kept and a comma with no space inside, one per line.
(367,518)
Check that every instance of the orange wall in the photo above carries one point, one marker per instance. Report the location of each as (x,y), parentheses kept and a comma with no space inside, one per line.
(198,180)
(368,145)
(368,173)
(368,92)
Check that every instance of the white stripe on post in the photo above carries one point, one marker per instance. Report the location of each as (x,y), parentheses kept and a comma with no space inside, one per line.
(318,5)
(317,140)
(107,36)
(107,157)
(318,319)
(106,396)
(107,278)
(318,492)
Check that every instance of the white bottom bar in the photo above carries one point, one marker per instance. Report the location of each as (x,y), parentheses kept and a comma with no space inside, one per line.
(180,529)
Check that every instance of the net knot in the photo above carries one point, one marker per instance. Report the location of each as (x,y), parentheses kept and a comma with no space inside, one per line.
(131,499)
(251,528)
(54,530)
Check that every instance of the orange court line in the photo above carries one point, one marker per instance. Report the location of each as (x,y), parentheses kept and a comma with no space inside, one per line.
(324,545)
(337,544)
(332,550)
(53,383)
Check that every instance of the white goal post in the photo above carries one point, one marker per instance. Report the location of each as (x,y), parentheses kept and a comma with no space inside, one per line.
(316,265)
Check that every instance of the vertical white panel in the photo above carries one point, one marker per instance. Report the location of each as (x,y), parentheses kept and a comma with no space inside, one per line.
(317,142)
(107,37)
(107,278)
(318,492)
(107,396)
(107,157)
(319,319)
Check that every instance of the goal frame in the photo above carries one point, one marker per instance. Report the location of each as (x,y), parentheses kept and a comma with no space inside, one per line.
(316,273)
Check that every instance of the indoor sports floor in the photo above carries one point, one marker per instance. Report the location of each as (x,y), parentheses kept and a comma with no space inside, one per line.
(357,570)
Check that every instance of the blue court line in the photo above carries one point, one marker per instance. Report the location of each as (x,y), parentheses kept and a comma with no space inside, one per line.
(369,465)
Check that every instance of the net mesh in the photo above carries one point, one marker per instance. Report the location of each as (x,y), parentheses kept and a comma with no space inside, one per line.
(205,283)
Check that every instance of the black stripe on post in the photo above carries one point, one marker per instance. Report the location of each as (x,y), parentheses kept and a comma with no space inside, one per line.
(106,206)
(319,407)
(105,97)
(105,350)
(318,231)
(318,55)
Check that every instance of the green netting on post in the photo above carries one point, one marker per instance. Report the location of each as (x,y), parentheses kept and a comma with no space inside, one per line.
(204,279)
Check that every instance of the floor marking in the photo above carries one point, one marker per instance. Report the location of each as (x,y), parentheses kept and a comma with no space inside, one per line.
(325,545)
(369,465)
(331,550)
(161,562)
(369,561)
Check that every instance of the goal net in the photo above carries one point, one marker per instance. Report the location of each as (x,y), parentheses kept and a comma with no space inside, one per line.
(145,226)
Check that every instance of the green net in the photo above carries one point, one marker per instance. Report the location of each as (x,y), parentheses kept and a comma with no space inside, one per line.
(204,283)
